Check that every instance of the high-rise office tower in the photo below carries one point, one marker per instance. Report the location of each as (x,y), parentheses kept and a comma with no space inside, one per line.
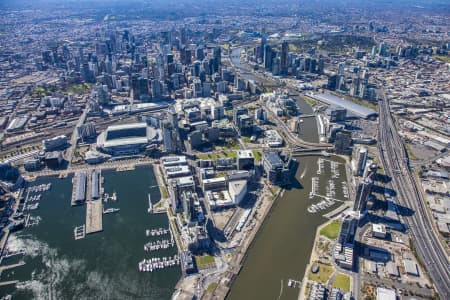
(261,48)
(197,87)
(267,57)
(184,35)
(284,58)
(217,60)
(156,89)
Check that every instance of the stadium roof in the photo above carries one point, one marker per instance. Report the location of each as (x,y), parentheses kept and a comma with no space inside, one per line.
(150,135)
(356,109)
(125,141)
(127,126)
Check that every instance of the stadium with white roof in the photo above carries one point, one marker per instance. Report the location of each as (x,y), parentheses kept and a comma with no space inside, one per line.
(127,139)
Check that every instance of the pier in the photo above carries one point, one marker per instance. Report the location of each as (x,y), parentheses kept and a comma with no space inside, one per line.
(79,232)
(94,216)
(79,189)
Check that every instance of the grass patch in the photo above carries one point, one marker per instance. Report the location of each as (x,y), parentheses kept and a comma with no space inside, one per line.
(205,261)
(211,288)
(342,282)
(163,191)
(310,100)
(293,47)
(274,190)
(443,58)
(331,231)
(246,139)
(257,155)
(322,275)
(83,88)
(203,156)
(38,91)
(410,152)
(215,156)
(230,145)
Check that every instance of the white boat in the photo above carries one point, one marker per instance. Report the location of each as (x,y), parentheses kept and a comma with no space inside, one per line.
(111,210)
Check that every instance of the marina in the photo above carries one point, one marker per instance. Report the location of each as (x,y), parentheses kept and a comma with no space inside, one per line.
(314,187)
(330,198)
(288,218)
(158,263)
(48,248)
(158,245)
(79,232)
(157,232)
(321,164)
(107,197)
(39,188)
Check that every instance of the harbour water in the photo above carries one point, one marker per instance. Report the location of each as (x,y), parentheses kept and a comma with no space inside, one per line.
(103,265)
(282,247)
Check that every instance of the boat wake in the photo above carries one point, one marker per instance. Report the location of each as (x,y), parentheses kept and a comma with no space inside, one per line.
(304,172)
(45,283)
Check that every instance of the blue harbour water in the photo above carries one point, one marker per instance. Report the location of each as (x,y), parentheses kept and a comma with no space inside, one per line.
(103,265)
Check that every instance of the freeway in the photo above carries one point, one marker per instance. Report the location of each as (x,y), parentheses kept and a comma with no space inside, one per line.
(394,158)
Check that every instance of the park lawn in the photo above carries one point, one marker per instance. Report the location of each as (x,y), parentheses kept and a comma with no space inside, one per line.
(342,282)
(215,156)
(310,100)
(205,261)
(163,192)
(331,231)
(246,139)
(322,275)
(212,287)
(442,58)
(257,155)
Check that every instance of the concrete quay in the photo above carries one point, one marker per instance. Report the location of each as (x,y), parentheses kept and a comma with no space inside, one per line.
(94,216)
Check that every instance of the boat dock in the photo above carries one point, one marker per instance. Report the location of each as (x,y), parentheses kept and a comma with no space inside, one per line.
(79,232)
(158,263)
(8,267)
(94,216)
(79,188)
(150,205)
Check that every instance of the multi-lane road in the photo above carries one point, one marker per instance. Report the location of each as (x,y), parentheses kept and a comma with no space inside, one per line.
(396,164)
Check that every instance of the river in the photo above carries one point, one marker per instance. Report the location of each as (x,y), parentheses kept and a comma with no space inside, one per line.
(283,245)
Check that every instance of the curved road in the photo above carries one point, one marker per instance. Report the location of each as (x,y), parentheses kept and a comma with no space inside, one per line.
(294,140)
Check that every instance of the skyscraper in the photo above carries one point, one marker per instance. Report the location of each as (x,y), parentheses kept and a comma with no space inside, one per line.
(284,58)
(262,48)
(216,59)
(156,89)
(267,57)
